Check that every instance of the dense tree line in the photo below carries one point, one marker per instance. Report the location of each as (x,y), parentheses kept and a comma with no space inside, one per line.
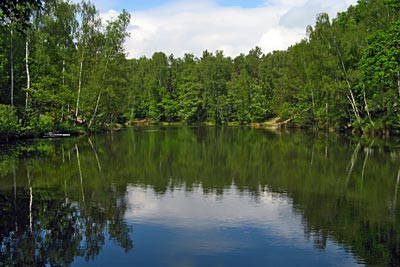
(62,66)
(58,65)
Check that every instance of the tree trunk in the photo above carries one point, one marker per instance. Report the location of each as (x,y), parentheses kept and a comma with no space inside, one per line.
(12,66)
(367,109)
(63,69)
(313,104)
(326,110)
(351,98)
(79,87)
(99,96)
(95,111)
(28,77)
(63,83)
(355,110)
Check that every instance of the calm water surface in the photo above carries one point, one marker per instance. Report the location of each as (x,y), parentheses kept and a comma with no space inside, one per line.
(198,196)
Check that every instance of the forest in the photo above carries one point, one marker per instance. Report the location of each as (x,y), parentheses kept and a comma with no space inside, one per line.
(64,69)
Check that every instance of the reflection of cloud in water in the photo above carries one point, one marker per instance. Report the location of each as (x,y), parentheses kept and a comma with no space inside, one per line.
(200,212)
(193,225)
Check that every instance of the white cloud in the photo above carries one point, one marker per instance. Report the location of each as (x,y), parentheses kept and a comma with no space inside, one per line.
(194,26)
(280,38)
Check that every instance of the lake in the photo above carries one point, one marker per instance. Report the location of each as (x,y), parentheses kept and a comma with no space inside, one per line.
(200,196)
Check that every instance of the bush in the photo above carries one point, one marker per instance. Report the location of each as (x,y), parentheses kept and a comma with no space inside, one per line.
(66,127)
(9,123)
(45,124)
(38,125)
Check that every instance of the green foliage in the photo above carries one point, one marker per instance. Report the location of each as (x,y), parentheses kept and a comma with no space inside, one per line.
(344,75)
(380,65)
(18,12)
(66,127)
(44,124)
(9,122)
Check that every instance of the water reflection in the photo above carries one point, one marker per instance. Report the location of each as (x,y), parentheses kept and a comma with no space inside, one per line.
(195,210)
(235,225)
(200,197)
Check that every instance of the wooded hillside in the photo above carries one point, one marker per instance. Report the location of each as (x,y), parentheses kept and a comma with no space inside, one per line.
(61,67)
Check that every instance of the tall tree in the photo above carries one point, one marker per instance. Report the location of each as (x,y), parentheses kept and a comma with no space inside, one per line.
(16,16)
(381,75)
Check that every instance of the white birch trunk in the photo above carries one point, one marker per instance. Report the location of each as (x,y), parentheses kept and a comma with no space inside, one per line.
(367,109)
(355,110)
(63,69)
(79,87)
(326,109)
(351,98)
(12,66)
(95,111)
(98,97)
(28,77)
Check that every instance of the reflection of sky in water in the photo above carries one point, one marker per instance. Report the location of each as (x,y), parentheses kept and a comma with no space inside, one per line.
(183,228)
(195,210)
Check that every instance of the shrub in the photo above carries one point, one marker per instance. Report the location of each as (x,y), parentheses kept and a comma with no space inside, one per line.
(9,123)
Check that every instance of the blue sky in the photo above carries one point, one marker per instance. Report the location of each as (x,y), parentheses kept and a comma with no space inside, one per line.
(233,26)
(139,5)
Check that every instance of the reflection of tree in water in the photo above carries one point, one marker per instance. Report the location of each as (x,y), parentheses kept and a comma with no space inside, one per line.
(44,227)
(344,193)
(359,212)
(54,238)
(60,231)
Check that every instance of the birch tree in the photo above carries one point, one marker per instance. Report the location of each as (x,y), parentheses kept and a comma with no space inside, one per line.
(90,24)
(16,15)
(112,55)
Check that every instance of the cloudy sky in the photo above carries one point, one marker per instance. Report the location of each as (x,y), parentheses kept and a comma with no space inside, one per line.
(234,26)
